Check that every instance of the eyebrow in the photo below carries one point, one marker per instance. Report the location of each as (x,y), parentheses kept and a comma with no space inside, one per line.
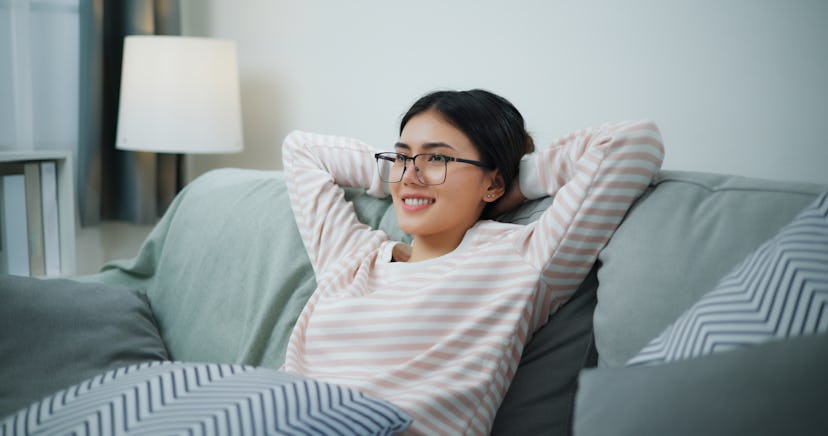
(427,146)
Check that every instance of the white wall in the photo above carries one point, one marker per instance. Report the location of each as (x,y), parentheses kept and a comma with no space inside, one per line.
(737,86)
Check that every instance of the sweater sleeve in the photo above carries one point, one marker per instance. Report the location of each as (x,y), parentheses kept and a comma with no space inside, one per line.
(594,175)
(317,168)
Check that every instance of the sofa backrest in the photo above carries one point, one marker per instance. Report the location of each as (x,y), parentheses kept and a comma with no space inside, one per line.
(686,232)
(226,275)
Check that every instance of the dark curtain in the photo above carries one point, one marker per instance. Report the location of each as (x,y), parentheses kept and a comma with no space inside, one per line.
(116,184)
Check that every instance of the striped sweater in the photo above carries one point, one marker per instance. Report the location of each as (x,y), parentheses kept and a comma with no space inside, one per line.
(442,338)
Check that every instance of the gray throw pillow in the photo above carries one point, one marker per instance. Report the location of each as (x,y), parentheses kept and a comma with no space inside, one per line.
(776,388)
(55,333)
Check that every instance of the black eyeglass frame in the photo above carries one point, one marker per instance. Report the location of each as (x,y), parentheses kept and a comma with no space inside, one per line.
(386,155)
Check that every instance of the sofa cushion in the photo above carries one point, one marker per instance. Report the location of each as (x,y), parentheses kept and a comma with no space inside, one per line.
(779,291)
(57,332)
(675,244)
(774,388)
(187,398)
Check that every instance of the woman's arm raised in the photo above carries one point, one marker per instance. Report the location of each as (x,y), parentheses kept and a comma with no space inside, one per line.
(595,176)
(317,168)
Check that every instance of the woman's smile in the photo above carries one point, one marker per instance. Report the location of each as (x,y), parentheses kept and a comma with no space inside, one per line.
(413,203)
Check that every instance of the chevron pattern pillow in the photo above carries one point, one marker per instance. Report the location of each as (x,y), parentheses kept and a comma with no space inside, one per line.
(215,399)
(779,291)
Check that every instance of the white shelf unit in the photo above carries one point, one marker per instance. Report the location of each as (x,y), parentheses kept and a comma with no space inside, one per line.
(65,198)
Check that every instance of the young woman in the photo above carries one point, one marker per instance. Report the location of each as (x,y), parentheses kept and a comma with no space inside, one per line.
(437,327)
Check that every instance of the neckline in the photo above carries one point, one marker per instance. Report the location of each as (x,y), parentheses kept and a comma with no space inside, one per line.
(387,258)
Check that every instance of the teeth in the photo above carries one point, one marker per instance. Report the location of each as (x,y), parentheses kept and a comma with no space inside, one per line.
(417,201)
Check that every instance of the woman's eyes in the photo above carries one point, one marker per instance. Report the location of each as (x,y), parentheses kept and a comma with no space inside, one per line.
(439,158)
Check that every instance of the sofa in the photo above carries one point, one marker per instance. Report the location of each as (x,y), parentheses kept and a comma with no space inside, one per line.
(222,277)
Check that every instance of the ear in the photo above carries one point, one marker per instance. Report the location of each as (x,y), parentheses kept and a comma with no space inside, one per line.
(496,187)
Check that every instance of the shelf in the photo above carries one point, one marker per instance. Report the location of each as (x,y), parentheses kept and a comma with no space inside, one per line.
(65,201)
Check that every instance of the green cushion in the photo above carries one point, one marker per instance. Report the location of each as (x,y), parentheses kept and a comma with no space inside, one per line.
(675,244)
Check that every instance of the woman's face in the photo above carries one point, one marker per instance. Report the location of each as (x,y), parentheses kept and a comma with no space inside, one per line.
(449,209)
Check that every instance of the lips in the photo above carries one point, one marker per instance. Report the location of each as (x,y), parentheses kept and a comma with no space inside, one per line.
(414,203)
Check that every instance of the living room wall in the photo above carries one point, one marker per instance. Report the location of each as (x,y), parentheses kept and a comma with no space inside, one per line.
(737,86)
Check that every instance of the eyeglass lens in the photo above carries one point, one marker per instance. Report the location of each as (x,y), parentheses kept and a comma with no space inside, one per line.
(430,169)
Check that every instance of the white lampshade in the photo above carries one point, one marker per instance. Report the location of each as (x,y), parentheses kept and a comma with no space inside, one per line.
(179,95)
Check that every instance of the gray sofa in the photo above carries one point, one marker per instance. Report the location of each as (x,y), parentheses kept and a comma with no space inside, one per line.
(224,276)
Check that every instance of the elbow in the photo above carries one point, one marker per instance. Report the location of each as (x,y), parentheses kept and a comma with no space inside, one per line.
(290,145)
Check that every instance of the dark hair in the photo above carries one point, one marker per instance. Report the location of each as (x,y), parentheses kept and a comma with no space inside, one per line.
(492,124)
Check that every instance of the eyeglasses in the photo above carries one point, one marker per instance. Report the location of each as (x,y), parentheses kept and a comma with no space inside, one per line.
(430,168)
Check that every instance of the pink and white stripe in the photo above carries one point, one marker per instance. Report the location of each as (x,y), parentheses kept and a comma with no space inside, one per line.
(443,338)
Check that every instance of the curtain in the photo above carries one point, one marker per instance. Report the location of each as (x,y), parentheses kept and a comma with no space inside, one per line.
(115,184)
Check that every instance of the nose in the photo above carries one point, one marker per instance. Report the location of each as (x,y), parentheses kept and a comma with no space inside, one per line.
(410,175)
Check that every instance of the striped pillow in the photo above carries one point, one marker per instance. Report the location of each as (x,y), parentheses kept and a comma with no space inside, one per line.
(779,291)
(178,398)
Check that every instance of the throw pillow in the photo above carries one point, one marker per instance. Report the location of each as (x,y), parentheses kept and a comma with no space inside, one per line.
(779,291)
(55,333)
(220,399)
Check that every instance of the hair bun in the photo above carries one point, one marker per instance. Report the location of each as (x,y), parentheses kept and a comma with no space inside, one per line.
(530,143)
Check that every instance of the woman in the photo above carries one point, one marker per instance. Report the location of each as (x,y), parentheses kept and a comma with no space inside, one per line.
(437,327)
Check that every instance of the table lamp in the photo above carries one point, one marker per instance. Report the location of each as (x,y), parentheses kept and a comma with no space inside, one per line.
(179,95)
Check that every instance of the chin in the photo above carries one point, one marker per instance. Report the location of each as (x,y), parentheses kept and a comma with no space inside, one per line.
(407,227)
(415,226)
